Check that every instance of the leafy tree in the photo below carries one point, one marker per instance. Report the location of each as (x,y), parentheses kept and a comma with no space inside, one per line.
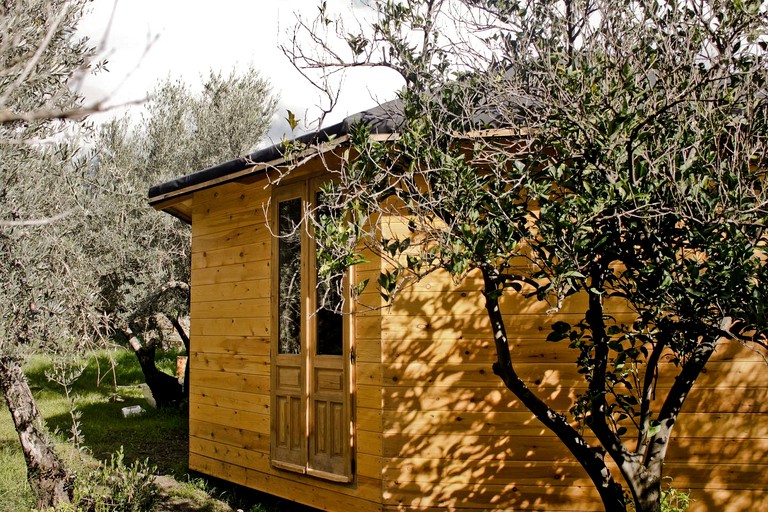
(631,166)
(45,301)
(142,260)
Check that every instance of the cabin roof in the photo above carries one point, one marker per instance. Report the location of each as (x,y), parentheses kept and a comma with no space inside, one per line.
(488,118)
(383,120)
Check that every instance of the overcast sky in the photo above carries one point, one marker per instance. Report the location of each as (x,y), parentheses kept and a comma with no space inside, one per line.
(150,40)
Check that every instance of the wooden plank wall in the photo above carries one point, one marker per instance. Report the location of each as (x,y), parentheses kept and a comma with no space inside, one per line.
(435,428)
(230,347)
(456,439)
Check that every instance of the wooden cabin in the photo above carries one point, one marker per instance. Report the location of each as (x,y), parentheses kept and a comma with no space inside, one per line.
(398,409)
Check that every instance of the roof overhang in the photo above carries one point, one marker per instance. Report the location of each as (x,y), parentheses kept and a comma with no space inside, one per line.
(170,196)
(175,196)
(167,195)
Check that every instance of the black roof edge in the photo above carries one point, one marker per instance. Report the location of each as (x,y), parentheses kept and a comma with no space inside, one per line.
(383,119)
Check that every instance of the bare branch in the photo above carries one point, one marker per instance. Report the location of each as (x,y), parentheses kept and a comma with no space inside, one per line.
(37,222)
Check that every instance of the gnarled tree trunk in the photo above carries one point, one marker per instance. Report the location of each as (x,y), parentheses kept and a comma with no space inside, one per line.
(165,389)
(46,473)
(185,339)
(591,459)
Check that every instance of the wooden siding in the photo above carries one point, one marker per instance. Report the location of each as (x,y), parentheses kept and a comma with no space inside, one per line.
(435,429)
(456,438)
(230,359)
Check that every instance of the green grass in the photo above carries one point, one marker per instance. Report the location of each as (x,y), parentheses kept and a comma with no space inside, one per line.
(159,435)
(236,496)
(99,393)
(14,492)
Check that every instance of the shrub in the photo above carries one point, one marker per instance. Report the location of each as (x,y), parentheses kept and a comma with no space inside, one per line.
(672,500)
(117,487)
(675,500)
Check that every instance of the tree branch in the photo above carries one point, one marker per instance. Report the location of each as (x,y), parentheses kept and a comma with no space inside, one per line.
(651,373)
(676,397)
(37,222)
(590,458)
(598,417)
(179,330)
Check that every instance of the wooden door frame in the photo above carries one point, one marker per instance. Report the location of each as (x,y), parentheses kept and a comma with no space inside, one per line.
(306,190)
(279,194)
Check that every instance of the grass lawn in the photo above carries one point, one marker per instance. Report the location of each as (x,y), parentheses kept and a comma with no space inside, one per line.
(100,394)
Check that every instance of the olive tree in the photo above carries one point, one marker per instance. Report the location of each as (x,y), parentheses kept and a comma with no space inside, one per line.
(46,303)
(611,149)
(142,261)
(45,300)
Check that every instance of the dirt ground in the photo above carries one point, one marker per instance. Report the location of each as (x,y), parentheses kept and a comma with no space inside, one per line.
(199,501)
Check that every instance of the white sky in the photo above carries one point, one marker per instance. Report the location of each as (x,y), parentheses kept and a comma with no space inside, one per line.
(150,40)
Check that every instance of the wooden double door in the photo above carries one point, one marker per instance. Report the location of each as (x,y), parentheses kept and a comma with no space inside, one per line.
(311,418)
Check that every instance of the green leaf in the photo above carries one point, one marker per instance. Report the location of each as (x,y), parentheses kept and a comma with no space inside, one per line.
(360,287)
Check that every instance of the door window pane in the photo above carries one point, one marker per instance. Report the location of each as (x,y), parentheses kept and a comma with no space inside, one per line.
(289,277)
(330,333)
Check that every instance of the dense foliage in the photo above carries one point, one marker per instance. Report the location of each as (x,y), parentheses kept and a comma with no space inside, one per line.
(614,150)
(141,259)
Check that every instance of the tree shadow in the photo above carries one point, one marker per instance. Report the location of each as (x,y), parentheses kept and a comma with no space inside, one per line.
(158,435)
(455,437)
(108,384)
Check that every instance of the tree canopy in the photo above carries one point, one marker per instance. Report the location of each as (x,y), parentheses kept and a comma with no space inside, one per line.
(46,300)
(613,150)
(141,260)
(82,255)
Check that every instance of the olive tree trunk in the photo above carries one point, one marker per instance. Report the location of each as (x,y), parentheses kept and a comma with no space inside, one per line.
(591,459)
(46,473)
(165,388)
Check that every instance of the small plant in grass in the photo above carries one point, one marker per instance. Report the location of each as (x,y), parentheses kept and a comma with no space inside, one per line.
(116,487)
(259,508)
(192,488)
(65,373)
(673,500)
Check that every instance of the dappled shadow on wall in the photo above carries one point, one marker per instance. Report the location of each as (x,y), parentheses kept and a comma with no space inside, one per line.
(720,444)
(455,437)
